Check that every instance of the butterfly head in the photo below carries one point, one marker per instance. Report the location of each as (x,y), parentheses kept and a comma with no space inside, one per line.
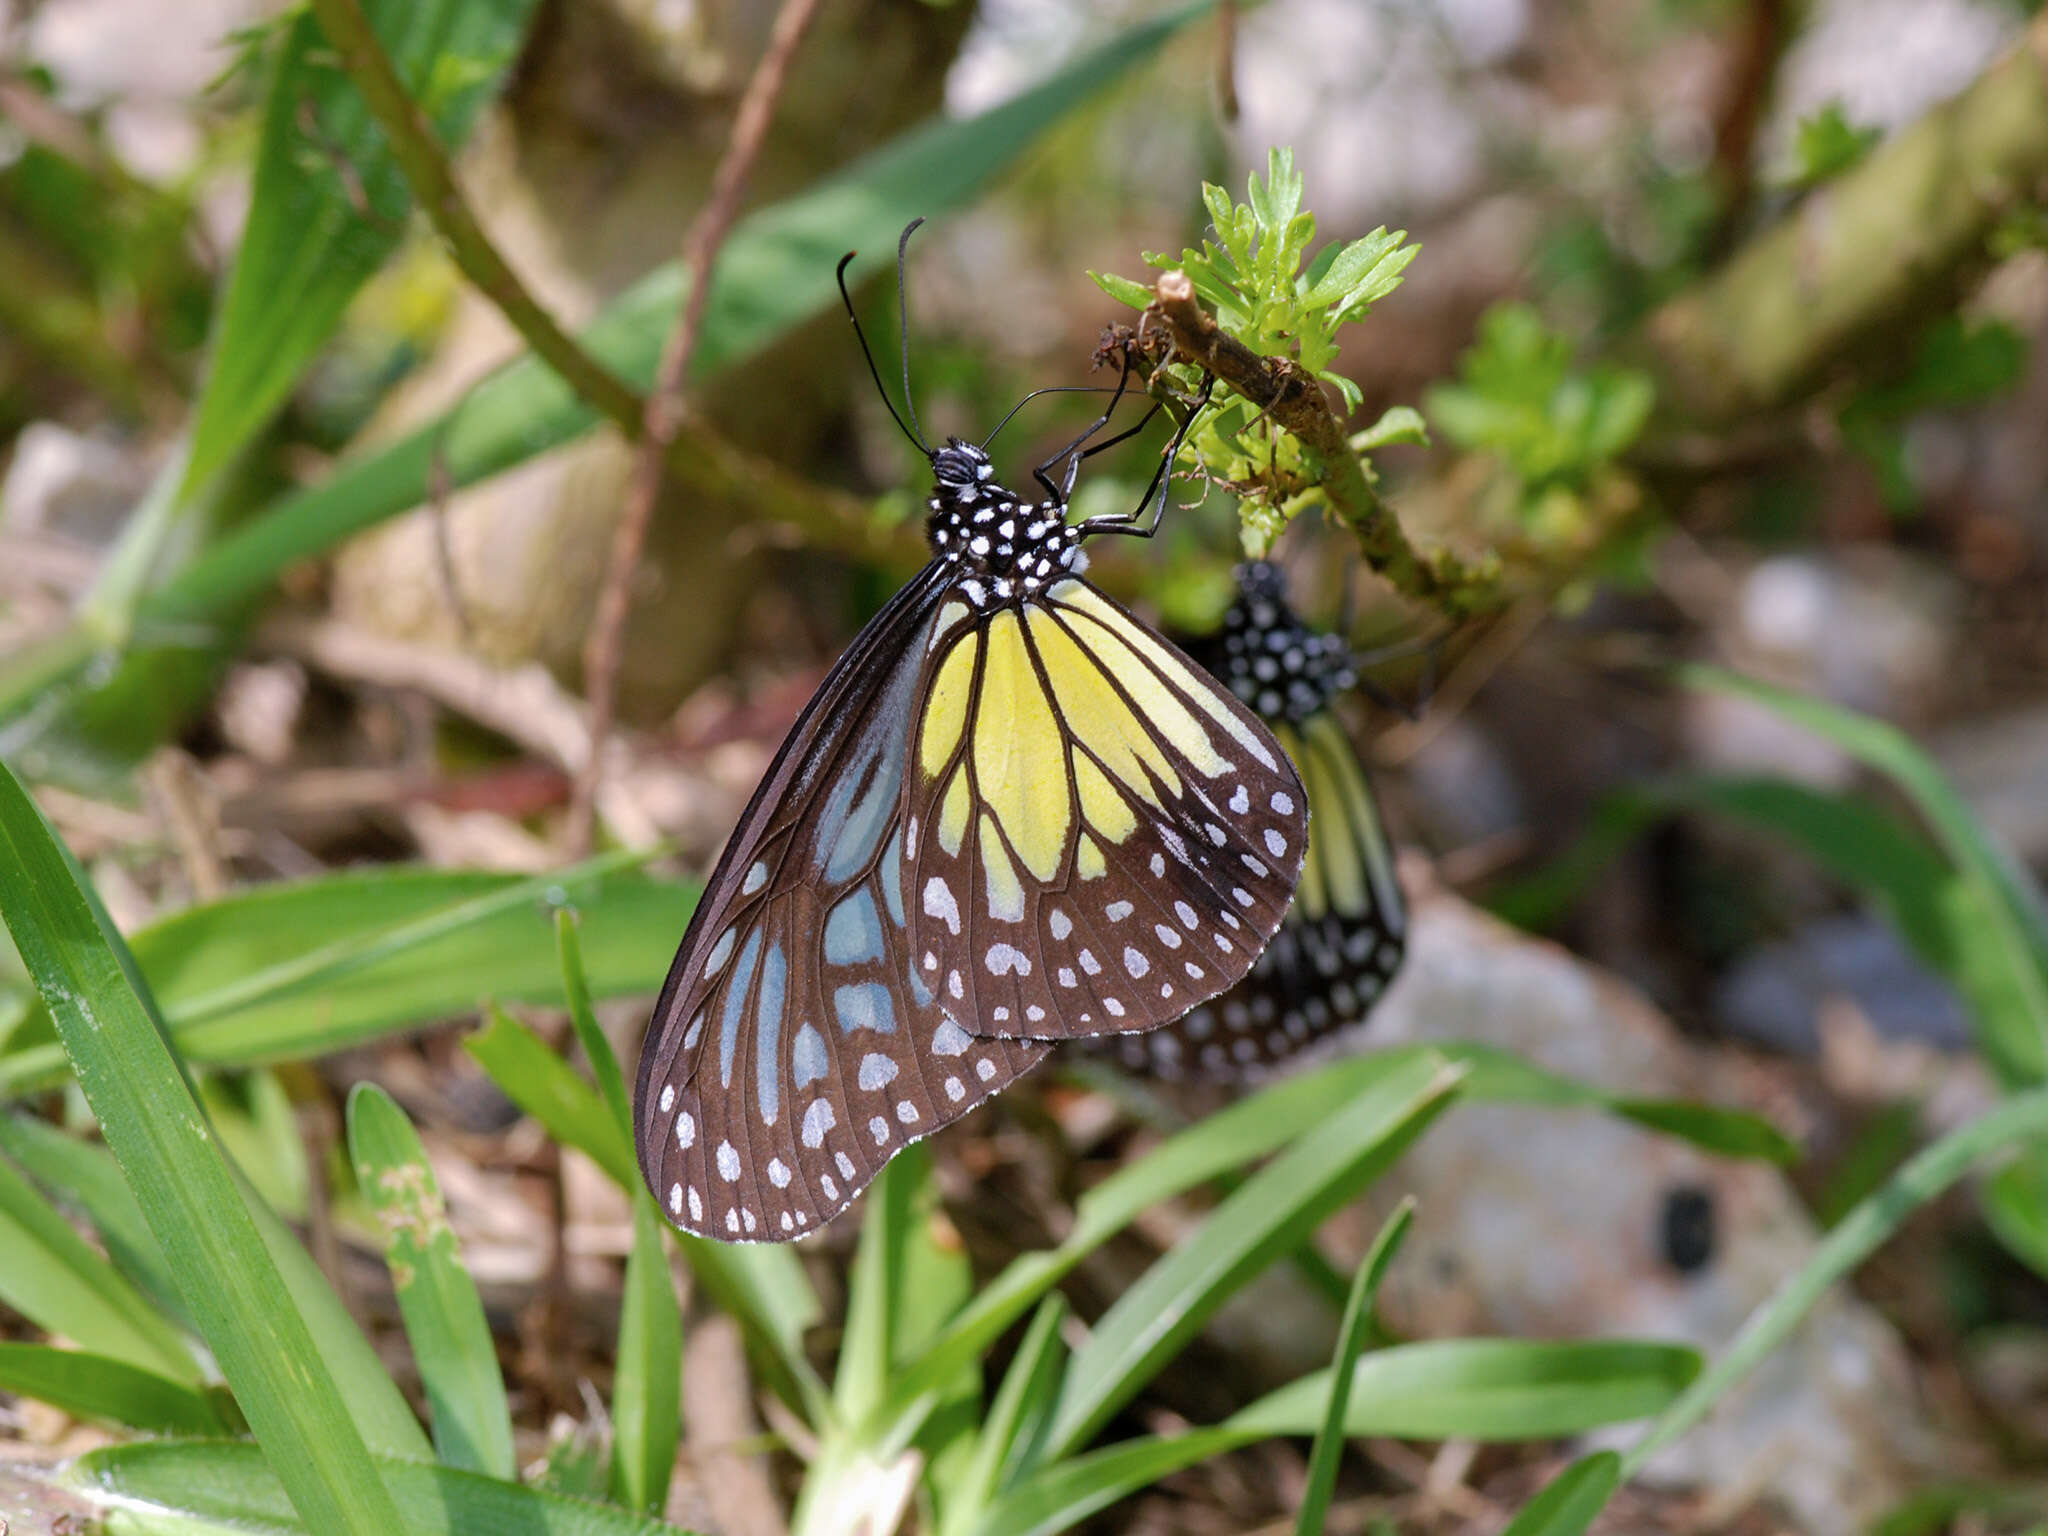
(1272,661)
(1008,547)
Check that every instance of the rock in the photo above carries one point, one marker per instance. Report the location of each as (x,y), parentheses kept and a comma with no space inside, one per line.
(67,483)
(1774,997)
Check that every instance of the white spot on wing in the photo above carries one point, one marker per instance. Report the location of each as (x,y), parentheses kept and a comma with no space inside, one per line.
(728,1162)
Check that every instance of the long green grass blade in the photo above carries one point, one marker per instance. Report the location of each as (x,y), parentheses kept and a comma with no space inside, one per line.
(1849,1243)
(1023,1404)
(56,1280)
(1993,915)
(443,1314)
(604,1062)
(83,1174)
(1270,1214)
(232,1484)
(1225,1141)
(192,1202)
(282,972)
(328,204)
(1330,1437)
(647,1391)
(1505,1389)
(1572,1500)
(774,272)
(867,1349)
(106,1390)
(546,1087)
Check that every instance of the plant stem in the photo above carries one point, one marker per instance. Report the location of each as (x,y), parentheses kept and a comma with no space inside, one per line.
(420,156)
(664,411)
(1296,401)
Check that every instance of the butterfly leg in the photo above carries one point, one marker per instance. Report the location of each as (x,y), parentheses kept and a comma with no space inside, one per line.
(1072,451)
(1134,522)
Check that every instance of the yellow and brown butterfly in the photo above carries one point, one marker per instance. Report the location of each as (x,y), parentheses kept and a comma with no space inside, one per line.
(1011,815)
(1346,933)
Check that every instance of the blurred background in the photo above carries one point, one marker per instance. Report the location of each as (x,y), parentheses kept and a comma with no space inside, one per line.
(1724,344)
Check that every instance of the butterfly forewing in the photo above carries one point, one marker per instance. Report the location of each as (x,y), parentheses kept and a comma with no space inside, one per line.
(1101,835)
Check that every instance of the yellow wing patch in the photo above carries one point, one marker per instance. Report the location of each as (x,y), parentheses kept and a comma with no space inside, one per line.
(1312,894)
(953,811)
(1097,715)
(1161,706)
(1343,804)
(1015,769)
(1106,810)
(945,708)
(1080,595)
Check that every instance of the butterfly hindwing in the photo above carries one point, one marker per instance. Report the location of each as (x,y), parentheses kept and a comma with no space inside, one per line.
(1101,835)
(1344,936)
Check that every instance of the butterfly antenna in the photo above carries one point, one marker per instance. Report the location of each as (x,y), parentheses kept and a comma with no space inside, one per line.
(1049,389)
(903,322)
(874,372)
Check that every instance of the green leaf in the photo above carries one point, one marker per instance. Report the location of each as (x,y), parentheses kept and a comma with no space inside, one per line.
(1123,290)
(1990,917)
(235,1485)
(1022,1409)
(2015,1201)
(1222,1142)
(1491,1388)
(1397,424)
(1937,1510)
(1826,143)
(1572,1500)
(1273,1212)
(774,272)
(443,1314)
(604,1062)
(546,1087)
(109,1391)
(55,1279)
(868,1350)
(1849,1243)
(83,1174)
(1330,1435)
(328,204)
(280,972)
(647,1390)
(157,1131)
(1488,1389)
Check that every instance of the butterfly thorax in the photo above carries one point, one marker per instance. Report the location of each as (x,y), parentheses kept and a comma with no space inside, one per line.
(1006,546)
(1271,660)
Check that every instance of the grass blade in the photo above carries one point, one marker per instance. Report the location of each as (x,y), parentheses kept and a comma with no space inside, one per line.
(1242,1133)
(444,1316)
(604,1061)
(1849,1243)
(1273,1212)
(1500,1388)
(328,204)
(283,972)
(1022,1407)
(109,1391)
(1487,1389)
(1993,917)
(775,272)
(56,1280)
(546,1087)
(84,1174)
(868,1348)
(1329,1446)
(231,1484)
(193,1204)
(647,1394)
(1572,1500)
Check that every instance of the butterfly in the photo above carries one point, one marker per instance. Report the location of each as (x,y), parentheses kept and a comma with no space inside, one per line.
(1011,815)
(1346,934)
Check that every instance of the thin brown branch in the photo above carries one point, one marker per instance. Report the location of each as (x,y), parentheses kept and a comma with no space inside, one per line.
(664,413)
(420,156)
(1296,401)
(1753,61)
